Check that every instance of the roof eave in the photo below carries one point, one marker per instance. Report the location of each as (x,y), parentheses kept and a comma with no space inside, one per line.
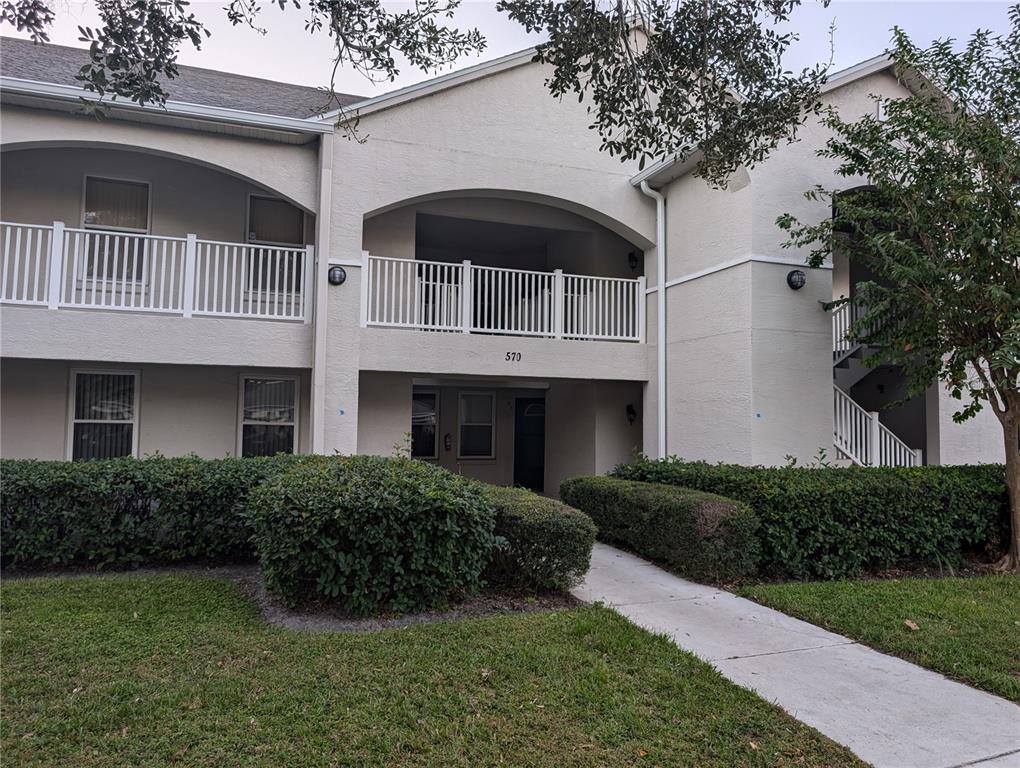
(315,126)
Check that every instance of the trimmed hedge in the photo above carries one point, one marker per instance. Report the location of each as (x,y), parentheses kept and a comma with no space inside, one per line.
(374,534)
(544,544)
(699,535)
(127,512)
(833,523)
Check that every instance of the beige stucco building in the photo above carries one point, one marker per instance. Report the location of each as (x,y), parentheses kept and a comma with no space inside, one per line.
(475,283)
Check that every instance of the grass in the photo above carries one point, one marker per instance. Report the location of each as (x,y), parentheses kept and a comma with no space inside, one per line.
(967,628)
(182,670)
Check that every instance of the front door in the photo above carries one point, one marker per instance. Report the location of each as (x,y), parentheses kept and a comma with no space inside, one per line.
(529,443)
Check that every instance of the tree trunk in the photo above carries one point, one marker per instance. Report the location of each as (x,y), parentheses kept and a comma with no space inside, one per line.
(1011,432)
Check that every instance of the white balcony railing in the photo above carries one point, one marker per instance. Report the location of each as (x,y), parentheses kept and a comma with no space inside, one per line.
(57,266)
(462,297)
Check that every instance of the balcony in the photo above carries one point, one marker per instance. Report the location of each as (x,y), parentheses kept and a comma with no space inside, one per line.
(460,297)
(64,268)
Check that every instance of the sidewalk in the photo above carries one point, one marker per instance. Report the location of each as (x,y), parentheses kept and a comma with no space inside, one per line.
(891,713)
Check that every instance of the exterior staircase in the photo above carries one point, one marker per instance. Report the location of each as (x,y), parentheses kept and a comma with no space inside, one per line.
(857,434)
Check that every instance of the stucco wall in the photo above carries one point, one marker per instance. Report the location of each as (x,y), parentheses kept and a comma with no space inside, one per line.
(499,137)
(979,440)
(181,409)
(40,186)
(581,245)
(137,337)
(291,170)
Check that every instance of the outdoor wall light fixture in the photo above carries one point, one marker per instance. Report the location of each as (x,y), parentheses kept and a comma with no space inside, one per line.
(632,260)
(631,413)
(337,275)
(796,279)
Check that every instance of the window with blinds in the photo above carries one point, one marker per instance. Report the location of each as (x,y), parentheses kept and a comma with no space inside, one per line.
(114,204)
(104,415)
(121,207)
(274,222)
(477,426)
(268,416)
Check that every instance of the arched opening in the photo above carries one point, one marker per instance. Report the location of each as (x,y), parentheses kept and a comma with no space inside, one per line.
(502,265)
(149,232)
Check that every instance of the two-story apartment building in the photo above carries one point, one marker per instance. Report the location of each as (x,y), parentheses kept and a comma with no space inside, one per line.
(474,282)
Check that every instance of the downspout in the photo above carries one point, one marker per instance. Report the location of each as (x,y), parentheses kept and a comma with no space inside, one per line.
(660,314)
(319,291)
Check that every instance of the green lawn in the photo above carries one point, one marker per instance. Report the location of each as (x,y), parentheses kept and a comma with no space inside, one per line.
(147,671)
(967,628)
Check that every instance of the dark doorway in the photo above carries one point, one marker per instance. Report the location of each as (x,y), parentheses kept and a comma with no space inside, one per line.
(529,443)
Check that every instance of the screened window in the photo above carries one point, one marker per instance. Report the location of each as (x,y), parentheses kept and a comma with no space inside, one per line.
(477,432)
(104,416)
(113,204)
(271,220)
(269,416)
(425,425)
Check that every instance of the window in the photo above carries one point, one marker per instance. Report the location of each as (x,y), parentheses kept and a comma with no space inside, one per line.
(268,416)
(103,414)
(425,425)
(114,204)
(274,221)
(477,412)
(123,207)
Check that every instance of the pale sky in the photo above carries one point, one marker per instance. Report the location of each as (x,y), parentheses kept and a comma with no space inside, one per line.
(289,54)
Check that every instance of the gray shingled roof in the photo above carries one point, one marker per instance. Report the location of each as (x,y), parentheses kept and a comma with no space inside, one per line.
(59,63)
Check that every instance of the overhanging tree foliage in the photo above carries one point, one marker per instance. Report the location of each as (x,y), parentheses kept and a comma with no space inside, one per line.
(934,214)
(659,77)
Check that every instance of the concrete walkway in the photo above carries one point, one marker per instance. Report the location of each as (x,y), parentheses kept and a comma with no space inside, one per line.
(891,713)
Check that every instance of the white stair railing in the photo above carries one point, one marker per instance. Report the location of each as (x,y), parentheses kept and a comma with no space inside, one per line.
(859,436)
(842,317)
(444,296)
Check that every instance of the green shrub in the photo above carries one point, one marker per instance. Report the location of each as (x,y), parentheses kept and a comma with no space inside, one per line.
(699,535)
(545,545)
(837,523)
(371,533)
(126,512)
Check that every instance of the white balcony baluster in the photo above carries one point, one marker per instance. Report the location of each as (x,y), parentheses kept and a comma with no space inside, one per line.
(443,296)
(96,269)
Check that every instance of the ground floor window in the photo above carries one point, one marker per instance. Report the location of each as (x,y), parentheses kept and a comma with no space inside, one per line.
(425,425)
(268,416)
(104,414)
(477,426)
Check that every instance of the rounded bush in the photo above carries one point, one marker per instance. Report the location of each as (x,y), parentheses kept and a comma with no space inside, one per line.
(373,534)
(543,543)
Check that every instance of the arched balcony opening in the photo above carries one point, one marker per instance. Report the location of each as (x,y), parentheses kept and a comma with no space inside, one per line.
(501,265)
(93,227)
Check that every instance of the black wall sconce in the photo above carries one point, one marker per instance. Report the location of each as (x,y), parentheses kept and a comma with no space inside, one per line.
(337,275)
(796,279)
(632,261)
(631,413)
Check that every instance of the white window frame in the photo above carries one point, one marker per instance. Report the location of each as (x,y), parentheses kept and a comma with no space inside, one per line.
(492,423)
(127,230)
(71,403)
(435,440)
(239,452)
(247,222)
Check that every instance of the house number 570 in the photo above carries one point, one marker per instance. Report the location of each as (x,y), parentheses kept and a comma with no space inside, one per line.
(513,357)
